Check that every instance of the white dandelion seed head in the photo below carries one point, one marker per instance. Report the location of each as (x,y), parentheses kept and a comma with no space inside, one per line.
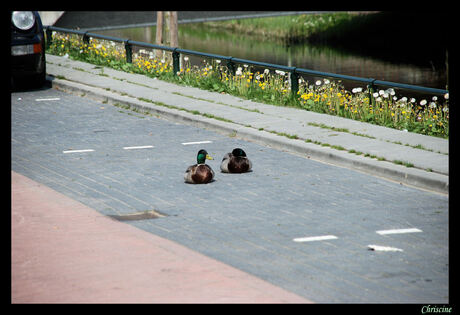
(390,91)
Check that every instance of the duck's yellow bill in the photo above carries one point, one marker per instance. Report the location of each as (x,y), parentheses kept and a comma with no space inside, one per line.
(208,157)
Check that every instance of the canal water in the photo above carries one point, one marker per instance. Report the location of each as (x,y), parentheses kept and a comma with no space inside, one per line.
(304,55)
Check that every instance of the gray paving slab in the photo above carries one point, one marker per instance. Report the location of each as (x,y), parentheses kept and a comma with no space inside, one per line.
(248,221)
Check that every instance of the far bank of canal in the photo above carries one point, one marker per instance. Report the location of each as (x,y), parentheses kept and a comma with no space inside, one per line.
(322,55)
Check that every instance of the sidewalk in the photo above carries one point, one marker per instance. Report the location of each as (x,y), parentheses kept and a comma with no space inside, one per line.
(65,252)
(267,124)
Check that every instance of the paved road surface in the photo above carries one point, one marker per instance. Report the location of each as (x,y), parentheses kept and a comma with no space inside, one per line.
(260,222)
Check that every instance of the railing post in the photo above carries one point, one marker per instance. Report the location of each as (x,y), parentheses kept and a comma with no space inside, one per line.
(371,89)
(129,52)
(86,38)
(294,82)
(176,61)
(231,65)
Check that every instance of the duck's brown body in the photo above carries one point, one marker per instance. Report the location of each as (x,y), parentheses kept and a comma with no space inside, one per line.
(199,174)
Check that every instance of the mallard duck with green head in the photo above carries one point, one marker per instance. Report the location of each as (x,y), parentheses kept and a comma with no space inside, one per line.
(236,162)
(200,173)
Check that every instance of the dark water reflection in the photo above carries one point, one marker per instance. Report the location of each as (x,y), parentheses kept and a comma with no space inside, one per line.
(314,57)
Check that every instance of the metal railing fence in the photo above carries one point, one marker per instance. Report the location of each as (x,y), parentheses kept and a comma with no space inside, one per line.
(231,63)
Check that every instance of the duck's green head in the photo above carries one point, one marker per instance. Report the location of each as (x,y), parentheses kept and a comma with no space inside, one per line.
(238,152)
(202,156)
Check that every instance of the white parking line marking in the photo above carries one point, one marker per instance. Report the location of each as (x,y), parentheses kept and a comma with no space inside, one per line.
(315,238)
(47,99)
(196,142)
(398,231)
(78,151)
(138,147)
(384,248)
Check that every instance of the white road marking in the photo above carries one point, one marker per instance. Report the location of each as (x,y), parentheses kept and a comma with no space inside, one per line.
(398,231)
(47,99)
(196,142)
(138,147)
(78,151)
(315,238)
(384,248)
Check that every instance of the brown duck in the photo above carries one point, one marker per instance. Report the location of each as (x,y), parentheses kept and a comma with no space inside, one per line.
(200,173)
(236,162)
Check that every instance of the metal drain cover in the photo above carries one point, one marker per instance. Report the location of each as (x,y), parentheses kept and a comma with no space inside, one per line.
(143,215)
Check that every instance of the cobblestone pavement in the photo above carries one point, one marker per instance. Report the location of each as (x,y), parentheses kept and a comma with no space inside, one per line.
(258,222)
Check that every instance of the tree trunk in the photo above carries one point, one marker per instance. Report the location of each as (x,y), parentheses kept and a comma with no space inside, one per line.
(173,31)
(159,34)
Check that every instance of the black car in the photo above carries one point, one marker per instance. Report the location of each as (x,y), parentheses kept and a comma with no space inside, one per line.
(27,48)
